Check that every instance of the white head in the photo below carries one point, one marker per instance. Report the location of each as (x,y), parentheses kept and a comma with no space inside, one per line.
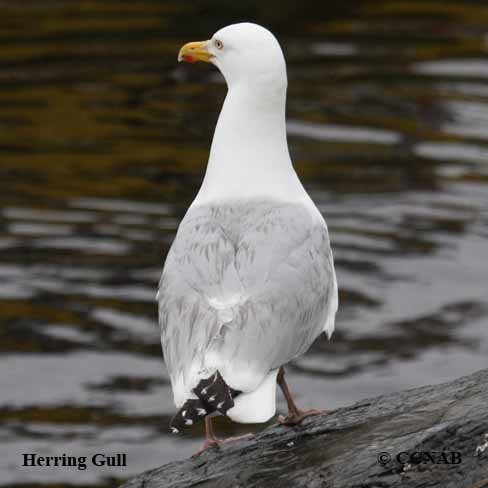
(249,156)
(245,53)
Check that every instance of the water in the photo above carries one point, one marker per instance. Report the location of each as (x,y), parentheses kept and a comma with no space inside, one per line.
(103,144)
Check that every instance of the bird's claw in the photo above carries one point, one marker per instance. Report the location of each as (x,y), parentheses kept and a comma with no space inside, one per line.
(215,442)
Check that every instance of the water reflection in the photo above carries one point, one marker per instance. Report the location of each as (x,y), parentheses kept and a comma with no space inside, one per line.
(103,144)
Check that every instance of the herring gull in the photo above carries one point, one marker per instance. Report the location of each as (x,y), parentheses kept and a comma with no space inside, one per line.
(249,281)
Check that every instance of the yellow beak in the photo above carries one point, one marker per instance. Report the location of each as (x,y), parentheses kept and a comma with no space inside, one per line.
(194,51)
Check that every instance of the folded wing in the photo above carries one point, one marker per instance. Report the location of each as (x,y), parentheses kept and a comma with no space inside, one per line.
(245,289)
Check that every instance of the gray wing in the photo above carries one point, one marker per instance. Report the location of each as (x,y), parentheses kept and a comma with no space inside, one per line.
(245,289)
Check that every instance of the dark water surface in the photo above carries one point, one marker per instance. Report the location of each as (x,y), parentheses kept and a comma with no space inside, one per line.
(103,143)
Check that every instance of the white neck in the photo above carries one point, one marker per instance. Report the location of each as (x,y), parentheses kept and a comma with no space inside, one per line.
(249,155)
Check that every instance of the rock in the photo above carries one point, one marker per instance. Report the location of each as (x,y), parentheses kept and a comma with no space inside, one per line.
(372,444)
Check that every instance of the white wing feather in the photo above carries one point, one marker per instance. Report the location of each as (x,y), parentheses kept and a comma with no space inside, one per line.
(246,287)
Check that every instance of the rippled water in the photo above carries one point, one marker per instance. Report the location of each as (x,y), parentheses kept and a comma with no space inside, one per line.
(103,143)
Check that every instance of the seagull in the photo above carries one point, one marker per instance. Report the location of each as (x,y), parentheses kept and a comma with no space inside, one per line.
(249,281)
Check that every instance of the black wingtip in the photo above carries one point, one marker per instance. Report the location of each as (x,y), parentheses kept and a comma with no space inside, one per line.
(214,395)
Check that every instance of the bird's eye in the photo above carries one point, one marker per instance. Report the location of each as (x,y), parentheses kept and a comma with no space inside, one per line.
(219,44)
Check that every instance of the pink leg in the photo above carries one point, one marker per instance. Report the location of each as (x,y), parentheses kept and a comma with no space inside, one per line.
(295,415)
(212,441)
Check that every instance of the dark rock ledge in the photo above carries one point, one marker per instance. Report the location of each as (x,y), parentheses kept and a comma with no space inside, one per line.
(342,449)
